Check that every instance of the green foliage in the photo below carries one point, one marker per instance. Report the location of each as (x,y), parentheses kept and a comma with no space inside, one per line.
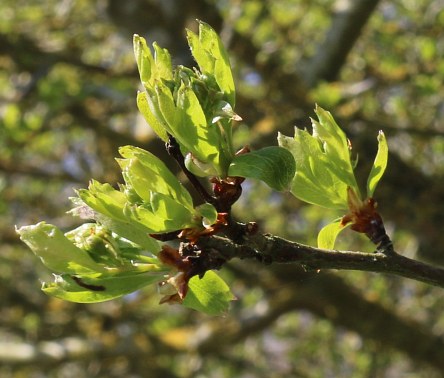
(210,294)
(193,111)
(273,165)
(324,170)
(195,107)
(328,234)
(379,165)
(95,265)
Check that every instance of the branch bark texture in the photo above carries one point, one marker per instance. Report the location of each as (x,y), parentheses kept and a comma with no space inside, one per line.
(273,249)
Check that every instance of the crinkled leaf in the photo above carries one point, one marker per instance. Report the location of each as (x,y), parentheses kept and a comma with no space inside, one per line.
(212,58)
(104,199)
(152,120)
(193,133)
(379,165)
(168,209)
(144,59)
(101,288)
(328,234)
(132,231)
(108,205)
(168,110)
(147,173)
(155,222)
(210,294)
(55,250)
(145,216)
(162,60)
(273,165)
(323,165)
(151,69)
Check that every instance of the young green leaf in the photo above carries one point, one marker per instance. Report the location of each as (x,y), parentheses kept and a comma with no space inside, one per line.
(104,199)
(379,165)
(108,205)
(87,289)
(162,60)
(324,168)
(147,174)
(169,114)
(273,165)
(150,117)
(57,252)
(208,213)
(144,59)
(202,140)
(328,234)
(164,220)
(168,209)
(212,58)
(209,294)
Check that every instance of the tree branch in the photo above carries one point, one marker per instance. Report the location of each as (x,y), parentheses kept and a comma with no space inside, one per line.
(349,20)
(273,249)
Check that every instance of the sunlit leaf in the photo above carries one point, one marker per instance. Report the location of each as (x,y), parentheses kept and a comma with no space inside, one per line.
(168,209)
(162,60)
(273,165)
(153,121)
(194,133)
(210,294)
(147,174)
(144,59)
(106,206)
(57,252)
(102,288)
(212,58)
(168,111)
(328,234)
(379,165)
(104,199)
(324,168)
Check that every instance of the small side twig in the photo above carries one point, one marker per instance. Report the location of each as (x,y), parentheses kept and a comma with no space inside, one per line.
(173,150)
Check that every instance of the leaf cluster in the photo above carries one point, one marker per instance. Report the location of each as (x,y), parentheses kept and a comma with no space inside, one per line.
(124,246)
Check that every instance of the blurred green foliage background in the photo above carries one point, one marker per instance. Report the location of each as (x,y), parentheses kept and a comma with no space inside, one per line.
(68,82)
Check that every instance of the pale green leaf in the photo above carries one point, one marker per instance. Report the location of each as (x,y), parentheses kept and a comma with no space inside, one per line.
(153,121)
(273,165)
(210,294)
(103,288)
(212,58)
(144,59)
(168,209)
(147,173)
(324,169)
(154,222)
(194,134)
(328,234)
(104,199)
(167,108)
(314,181)
(200,54)
(162,59)
(55,250)
(208,213)
(108,205)
(379,165)
(133,231)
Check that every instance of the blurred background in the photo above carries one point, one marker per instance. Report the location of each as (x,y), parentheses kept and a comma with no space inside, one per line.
(68,83)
